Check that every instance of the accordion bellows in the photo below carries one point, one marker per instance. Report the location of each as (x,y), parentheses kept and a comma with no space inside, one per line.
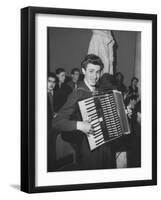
(106,113)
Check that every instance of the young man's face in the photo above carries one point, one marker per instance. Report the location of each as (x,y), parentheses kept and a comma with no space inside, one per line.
(51,83)
(75,76)
(61,77)
(92,74)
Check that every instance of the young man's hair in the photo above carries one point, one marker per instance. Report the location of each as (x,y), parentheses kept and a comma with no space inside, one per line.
(75,70)
(59,70)
(93,59)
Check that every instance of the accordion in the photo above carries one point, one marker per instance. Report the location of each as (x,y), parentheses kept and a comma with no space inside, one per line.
(106,113)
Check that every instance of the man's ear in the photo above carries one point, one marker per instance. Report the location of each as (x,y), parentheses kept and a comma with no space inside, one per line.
(83,70)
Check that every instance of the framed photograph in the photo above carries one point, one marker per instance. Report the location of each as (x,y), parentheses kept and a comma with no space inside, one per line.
(88,99)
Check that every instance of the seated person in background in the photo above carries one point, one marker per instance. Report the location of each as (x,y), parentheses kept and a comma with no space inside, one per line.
(119,82)
(69,118)
(134,141)
(51,138)
(75,74)
(62,89)
(130,105)
(134,112)
(133,89)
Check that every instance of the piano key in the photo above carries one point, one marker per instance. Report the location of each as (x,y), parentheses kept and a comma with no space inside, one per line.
(98,135)
(88,103)
(96,128)
(91,105)
(94,121)
(91,109)
(94,118)
(99,141)
(96,124)
(98,132)
(92,113)
(89,100)
(99,138)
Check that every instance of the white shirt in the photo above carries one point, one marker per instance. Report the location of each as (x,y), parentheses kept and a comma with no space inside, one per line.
(92,89)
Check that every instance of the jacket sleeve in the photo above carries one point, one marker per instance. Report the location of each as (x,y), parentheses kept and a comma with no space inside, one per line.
(62,121)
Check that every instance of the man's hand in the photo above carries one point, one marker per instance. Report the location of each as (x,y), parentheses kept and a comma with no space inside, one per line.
(85,127)
(129,111)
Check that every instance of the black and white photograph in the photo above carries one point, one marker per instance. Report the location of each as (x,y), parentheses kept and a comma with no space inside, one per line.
(93,99)
(80,100)
(89,91)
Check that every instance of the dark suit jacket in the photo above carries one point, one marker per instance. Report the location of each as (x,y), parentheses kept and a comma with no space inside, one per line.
(66,120)
(50,109)
(71,84)
(61,95)
(51,135)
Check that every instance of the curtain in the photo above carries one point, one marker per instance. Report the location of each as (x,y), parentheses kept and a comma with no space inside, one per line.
(101,44)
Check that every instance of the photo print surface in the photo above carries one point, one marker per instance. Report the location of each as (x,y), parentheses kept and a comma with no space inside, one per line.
(93,99)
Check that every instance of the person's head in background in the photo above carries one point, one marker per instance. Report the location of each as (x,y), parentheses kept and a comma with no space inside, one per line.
(52,81)
(75,74)
(134,82)
(92,66)
(119,77)
(60,73)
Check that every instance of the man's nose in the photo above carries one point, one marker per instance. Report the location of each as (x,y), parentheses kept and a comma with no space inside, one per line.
(95,75)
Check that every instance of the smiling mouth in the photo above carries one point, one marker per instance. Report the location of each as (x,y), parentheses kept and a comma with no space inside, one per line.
(94,81)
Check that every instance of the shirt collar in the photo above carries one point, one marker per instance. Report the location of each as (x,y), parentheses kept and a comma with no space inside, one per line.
(92,89)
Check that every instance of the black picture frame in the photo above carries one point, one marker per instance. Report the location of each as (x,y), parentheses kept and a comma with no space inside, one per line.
(28,98)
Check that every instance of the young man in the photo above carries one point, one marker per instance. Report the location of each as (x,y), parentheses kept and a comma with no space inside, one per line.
(69,118)
(75,74)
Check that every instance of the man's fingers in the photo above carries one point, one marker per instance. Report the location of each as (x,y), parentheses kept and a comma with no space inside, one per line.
(91,131)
